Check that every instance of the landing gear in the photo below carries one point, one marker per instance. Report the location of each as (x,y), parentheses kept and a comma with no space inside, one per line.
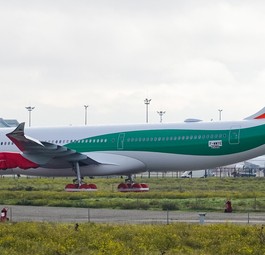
(130,186)
(79,185)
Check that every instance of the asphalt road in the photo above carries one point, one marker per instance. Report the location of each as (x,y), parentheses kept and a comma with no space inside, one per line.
(62,214)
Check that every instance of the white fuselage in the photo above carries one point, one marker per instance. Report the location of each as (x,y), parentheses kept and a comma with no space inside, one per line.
(125,161)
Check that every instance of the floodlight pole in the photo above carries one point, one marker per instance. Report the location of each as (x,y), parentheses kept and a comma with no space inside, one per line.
(161,113)
(220,114)
(147,102)
(30,109)
(86,106)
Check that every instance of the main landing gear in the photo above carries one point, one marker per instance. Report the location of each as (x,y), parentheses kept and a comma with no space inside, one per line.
(79,185)
(130,186)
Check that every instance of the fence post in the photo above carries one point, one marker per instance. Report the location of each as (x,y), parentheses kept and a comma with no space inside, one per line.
(248,217)
(88,214)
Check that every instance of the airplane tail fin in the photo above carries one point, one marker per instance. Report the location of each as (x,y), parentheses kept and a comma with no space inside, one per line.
(259,115)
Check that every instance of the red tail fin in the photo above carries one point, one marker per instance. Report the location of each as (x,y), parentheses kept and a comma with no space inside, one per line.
(259,115)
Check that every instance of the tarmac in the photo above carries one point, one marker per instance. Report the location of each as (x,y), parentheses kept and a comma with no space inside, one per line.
(82,215)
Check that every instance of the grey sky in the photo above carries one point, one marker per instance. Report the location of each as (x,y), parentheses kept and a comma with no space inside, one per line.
(191,57)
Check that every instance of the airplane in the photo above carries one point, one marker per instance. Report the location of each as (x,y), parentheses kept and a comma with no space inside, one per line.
(129,149)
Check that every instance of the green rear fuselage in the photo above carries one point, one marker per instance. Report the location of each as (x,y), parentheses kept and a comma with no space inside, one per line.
(205,142)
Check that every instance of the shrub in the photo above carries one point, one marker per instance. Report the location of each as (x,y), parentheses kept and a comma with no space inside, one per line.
(168,205)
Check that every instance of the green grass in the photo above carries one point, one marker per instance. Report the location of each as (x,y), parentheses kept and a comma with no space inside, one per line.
(246,194)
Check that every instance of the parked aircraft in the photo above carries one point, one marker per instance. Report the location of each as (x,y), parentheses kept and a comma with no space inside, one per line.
(129,149)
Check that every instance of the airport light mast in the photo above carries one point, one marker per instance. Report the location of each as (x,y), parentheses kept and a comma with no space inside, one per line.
(147,102)
(30,109)
(86,106)
(220,114)
(161,113)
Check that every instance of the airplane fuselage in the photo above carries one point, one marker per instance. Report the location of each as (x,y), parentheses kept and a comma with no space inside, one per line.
(125,149)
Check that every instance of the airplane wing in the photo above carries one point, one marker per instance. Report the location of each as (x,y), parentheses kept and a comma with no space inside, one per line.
(46,154)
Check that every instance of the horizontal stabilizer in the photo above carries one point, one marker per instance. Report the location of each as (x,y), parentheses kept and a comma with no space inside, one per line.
(45,154)
(22,141)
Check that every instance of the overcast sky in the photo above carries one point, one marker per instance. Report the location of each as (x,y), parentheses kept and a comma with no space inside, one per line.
(190,57)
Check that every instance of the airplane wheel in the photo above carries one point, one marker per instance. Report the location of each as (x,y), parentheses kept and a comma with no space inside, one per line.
(92,186)
(122,186)
(133,187)
(84,186)
(136,186)
(88,187)
(71,187)
(144,185)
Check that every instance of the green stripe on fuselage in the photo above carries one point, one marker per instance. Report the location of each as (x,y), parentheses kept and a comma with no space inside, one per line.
(176,141)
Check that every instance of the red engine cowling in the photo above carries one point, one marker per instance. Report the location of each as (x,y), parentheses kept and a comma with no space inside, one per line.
(13,160)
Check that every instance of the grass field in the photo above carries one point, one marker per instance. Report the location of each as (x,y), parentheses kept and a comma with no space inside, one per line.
(210,194)
(246,194)
(110,239)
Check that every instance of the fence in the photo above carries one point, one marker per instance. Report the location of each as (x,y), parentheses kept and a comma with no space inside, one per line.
(82,215)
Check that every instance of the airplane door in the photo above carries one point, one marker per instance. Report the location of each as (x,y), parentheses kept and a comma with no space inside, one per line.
(234,135)
(120,142)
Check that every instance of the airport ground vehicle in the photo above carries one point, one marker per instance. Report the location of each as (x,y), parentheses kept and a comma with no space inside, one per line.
(197,174)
